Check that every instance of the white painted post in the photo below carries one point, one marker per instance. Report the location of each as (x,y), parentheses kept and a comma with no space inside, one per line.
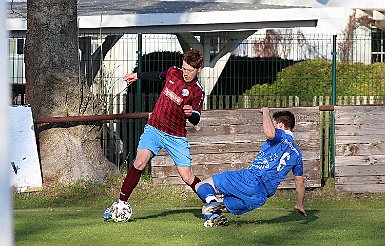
(6,223)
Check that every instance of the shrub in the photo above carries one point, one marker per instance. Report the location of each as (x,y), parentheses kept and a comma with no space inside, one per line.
(311,78)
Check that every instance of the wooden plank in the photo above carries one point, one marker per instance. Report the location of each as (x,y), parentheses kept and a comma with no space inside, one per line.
(359,110)
(311,168)
(360,120)
(253,116)
(203,171)
(354,180)
(358,130)
(361,188)
(309,183)
(230,129)
(375,148)
(176,180)
(206,148)
(371,160)
(249,145)
(222,158)
(305,136)
(368,139)
(225,138)
(359,170)
(308,148)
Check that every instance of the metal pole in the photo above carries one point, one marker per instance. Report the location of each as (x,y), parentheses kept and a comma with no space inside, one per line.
(6,223)
(139,82)
(334,96)
(138,104)
(334,71)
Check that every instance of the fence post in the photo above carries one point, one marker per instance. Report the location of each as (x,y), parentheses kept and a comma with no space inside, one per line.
(118,132)
(246,102)
(334,93)
(138,104)
(111,129)
(125,132)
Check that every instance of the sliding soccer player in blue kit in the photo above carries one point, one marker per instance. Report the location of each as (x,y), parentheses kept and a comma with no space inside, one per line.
(247,189)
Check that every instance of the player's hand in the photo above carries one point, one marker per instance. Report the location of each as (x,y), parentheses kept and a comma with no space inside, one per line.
(300,210)
(264,110)
(187,110)
(130,78)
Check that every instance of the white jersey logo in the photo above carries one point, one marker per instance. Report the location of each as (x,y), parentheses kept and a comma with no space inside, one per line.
(174,97)
(185,92)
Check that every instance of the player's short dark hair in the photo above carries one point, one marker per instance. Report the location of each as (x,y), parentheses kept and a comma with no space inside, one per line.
(285,117)
(193,58)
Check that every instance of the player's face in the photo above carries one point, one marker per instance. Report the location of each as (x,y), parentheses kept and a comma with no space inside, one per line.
(189,73)
(275,124)
(279,125)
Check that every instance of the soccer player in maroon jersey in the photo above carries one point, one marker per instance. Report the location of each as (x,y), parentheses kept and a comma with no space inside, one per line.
(181,99)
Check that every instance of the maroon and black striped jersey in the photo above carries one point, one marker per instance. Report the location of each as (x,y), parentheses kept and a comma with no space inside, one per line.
(168,115)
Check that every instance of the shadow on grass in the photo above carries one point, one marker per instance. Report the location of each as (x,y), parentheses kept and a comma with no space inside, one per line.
(196,212)
(292,216)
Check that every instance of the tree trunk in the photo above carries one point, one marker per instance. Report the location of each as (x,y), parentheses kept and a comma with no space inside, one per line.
(68,152)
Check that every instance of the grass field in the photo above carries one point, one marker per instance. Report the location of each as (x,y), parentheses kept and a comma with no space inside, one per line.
(170,216)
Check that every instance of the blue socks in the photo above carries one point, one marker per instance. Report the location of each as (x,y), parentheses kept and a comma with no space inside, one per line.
(206,193)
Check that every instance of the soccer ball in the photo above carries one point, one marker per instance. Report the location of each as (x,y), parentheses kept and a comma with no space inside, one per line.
(121,212)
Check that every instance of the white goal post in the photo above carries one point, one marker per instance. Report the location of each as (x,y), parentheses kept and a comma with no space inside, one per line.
(6,221)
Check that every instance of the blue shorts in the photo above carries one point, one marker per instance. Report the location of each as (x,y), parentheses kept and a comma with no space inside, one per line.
(242,191)
(177,147)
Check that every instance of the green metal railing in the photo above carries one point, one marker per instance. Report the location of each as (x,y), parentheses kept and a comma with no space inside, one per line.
(334,99)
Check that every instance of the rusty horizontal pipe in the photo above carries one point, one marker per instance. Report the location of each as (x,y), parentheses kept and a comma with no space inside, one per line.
(332,108)
(89,118)
(326,108)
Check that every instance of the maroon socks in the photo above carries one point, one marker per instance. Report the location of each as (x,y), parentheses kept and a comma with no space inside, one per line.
(196,181)
(129,183)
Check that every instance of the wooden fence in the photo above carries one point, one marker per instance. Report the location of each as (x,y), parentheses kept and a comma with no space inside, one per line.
(120,139)
(230,139)
(360,148)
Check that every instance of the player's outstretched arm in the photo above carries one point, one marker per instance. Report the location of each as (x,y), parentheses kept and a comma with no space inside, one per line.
(300,194)
(152,76)
(268,125)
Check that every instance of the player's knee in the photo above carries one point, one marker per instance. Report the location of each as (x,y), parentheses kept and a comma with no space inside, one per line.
(186,174)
